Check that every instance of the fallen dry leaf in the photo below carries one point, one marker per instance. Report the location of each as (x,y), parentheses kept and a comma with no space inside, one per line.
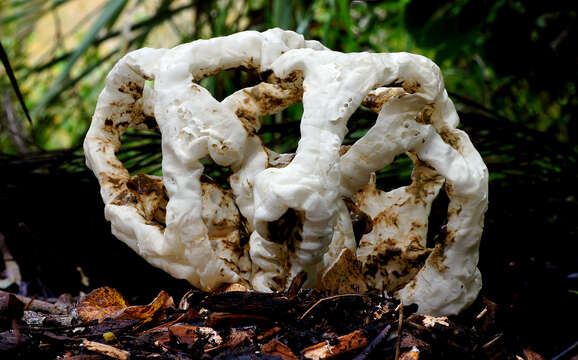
(344,276)
(150,311)
(106,302)
(99,304)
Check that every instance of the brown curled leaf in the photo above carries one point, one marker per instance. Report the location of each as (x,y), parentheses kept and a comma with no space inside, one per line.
(154,310)
(99,304)
(106,302)
(344,275)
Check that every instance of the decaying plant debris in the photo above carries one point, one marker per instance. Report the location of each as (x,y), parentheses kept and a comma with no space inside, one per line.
(297,324)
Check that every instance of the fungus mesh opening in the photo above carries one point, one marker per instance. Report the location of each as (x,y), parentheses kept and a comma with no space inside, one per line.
(280,132)
(437,219)
(140,152)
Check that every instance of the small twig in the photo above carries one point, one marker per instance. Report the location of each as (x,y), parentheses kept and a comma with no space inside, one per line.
(493,341)
(106,350)
(374,343)
(418,326)
(346,343)
(566,352)
(269,333)
(38,305)
(325,299)
(399,328)
(482,313)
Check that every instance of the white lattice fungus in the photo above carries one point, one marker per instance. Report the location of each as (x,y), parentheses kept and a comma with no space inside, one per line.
(200,246)
(296,207)
(449,281)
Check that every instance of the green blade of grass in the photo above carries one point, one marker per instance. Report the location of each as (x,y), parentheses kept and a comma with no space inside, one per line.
(108,15)
(13,81)
(282,11)
(32,9)
(163,13)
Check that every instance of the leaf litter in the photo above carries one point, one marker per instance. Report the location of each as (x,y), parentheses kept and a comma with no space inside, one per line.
(241,324)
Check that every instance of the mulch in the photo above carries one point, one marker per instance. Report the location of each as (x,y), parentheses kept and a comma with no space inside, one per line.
(238,324)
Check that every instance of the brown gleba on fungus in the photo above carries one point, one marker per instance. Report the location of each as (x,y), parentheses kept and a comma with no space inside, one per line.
(297,208)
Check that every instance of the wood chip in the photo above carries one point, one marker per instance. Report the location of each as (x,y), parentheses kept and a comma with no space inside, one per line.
(373,344)
(296,284)
(106,350)
(346,343)
(37,305)
(482,313)
(269,333)
(277,348)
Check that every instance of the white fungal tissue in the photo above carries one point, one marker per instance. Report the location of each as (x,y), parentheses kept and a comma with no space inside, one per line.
(300,211)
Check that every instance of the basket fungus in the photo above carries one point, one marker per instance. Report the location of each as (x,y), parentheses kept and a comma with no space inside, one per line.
(304,210)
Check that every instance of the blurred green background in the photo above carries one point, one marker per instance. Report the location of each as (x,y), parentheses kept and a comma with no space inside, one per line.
(516,58)
(510,67)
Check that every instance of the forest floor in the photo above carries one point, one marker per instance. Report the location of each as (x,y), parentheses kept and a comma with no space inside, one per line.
(237,324)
